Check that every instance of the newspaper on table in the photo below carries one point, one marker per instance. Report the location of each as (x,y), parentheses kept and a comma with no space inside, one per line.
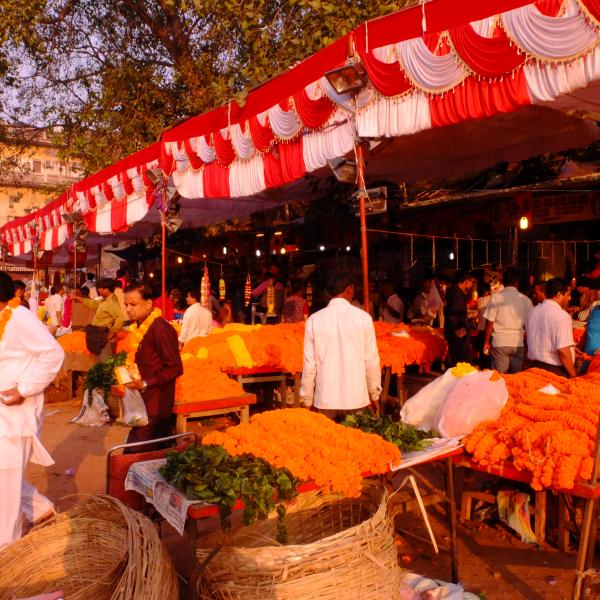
(437,447)
(145,478)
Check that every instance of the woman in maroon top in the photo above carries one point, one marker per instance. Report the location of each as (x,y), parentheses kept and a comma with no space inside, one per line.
(295,307)
(159,363)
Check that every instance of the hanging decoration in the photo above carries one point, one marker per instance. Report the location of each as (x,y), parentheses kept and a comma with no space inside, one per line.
(205,290)
(309,294)
(271,301)
(222,289)
(248,291)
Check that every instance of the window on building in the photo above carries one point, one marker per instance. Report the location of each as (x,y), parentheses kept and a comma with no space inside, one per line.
(48,164)
(37,166)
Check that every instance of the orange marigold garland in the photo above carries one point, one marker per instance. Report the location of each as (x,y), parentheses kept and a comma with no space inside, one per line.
(552,436)
(333,456)
(6,314)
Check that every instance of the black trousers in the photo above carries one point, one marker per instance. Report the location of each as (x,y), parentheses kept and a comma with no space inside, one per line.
(556,369)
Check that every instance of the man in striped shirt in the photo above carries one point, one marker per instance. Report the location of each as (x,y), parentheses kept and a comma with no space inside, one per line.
(550,331)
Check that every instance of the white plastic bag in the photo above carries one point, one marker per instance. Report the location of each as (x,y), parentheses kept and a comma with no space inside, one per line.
(94,411)
(472,400)
(134,409)
(421,410)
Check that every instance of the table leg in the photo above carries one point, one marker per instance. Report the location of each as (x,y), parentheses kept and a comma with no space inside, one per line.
(387,375)
(245,414)
(540,516)
(451,511)
(69,386)
(181,424)
(192,530)
(283,391)
(582,553)
(297,381)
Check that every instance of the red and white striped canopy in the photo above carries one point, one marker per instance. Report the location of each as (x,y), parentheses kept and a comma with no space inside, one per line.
(437,64)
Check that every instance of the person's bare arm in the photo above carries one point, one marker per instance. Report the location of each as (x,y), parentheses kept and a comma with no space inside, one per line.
(566,359)
(489,329)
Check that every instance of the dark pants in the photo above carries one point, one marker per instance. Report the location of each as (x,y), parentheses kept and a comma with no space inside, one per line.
(158,427)
(556,369)
(459,350)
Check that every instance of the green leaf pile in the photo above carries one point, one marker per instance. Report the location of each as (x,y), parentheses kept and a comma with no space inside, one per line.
(405,436)
(102,374)
(210,474)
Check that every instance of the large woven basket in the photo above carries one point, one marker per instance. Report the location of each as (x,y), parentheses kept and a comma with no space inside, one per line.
(339,548)
(99,550)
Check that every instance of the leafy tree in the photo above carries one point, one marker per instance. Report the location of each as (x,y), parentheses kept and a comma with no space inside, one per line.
(110,76)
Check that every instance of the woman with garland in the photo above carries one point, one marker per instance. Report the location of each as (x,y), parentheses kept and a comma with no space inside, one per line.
(155,351)
(30,358)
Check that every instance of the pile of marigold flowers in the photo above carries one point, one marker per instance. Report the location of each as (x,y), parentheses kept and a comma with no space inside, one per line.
(421,346)
(201,383)
(74,342)
(552,436)
(312,447)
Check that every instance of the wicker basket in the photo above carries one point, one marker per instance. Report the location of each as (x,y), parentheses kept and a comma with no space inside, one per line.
(340,548)
(99,550)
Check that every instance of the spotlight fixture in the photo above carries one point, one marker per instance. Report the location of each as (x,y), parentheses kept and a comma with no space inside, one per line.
(224,250)
(375,200)
(258,253)
(322,248)
(282,251)
(344,169)
(350,77)
(155,175)
(173,224)
(151,275)
(523,223)
(260,234)
(180,260)
(348,248)
(451,256)
(278,233)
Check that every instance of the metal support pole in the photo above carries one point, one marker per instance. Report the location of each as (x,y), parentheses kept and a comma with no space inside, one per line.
(163,250)
(451,513)
(363,225)
(74,265)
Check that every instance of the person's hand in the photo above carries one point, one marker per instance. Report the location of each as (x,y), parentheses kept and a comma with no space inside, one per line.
(375,406)
(136,385)
(487,348)
(461,333)
(11,397)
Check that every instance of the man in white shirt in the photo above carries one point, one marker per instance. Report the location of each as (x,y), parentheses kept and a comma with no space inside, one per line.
(197,320)
(505,316)
(341,372)
(30,358)
(393,307)
(90,284)
(549,328)
(420,311)
(55,306)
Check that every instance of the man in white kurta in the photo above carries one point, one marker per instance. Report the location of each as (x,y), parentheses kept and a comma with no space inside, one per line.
(197,320)
(30,358)
(341,372)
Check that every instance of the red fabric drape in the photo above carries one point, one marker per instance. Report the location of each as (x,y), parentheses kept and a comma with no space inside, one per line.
(313,113)
(224,149)
(167,162)
(108,191)
(477,99)
(91,199)
(118,215)
(388,79)
(261,135)
(284,165)
(90,220)
(593,7)
(489,57)
(216,181)
(549,8)
(195,160)
(127,184)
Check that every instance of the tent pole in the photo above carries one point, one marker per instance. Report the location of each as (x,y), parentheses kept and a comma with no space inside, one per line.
(74,265)
(363,225)
(163,252)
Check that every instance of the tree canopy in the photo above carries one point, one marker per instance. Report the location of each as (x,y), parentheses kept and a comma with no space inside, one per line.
(110,76)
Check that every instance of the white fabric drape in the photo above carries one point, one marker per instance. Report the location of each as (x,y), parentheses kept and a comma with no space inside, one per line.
(103,218)
(435,74)
(319,146)
(484,27)
(546,83)
(189,184)
(390,117)
(242,142)
(549,37)
(247,177)
(137,208)
(285,124)
(201,147)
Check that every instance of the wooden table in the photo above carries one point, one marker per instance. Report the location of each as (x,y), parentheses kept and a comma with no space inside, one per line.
(75,362)
(268,374)
(239,405)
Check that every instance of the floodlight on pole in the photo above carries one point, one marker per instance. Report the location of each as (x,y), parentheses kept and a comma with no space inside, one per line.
(351,77)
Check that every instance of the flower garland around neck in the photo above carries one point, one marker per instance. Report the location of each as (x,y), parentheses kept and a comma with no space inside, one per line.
(138,333)
(6,314)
